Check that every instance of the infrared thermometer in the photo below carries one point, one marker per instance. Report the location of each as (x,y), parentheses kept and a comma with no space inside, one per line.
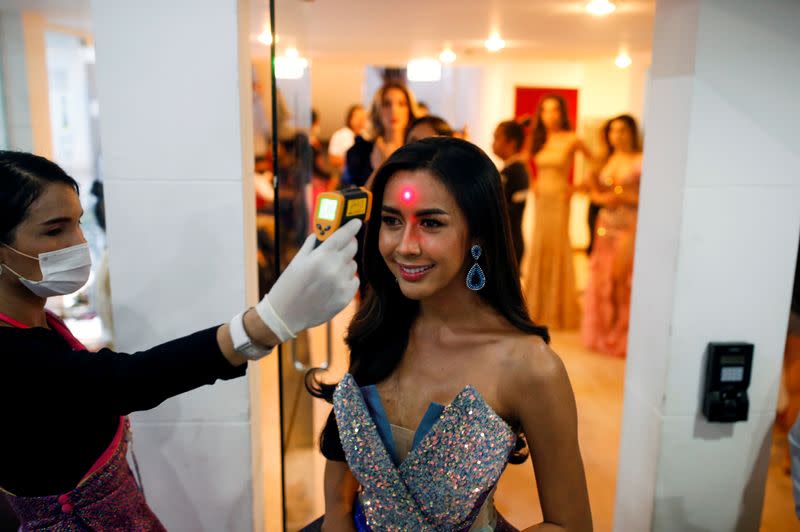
(334,209)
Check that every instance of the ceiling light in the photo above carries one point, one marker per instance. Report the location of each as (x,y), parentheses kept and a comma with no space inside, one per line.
(623,60)
(601,8)
(494,43)
(265,37)
(424,70)
(447,56)
(290,65)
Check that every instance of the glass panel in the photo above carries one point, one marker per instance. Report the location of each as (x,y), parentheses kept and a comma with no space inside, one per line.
(296,149)
(4,144)
(74,126)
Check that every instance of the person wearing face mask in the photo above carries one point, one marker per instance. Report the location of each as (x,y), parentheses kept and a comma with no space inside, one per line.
(63,408)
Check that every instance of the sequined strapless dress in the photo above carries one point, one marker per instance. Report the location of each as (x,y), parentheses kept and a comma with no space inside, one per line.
(439,478)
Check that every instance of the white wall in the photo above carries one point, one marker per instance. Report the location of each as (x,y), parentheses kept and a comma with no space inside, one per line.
(22,45)
(335,86)
(715,253)
(607,90)
(177,146)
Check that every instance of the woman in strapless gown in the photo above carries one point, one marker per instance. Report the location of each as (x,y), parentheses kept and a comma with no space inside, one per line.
(607,298)
(549,283)
(449,380)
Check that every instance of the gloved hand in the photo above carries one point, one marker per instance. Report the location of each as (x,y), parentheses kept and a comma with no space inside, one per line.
(316,285)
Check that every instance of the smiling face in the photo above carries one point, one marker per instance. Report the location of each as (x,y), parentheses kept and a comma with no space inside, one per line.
(424,235)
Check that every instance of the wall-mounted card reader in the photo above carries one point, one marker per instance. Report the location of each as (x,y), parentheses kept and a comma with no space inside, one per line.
(728,367)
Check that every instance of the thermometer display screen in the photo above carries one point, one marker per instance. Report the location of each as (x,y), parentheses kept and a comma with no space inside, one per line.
(327,209)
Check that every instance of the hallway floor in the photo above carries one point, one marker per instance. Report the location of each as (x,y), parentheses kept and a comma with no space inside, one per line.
(598,383)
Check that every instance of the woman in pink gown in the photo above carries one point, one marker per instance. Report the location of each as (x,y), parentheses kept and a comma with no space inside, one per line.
(616,189)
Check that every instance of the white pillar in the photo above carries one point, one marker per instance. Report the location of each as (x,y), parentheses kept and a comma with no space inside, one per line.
(715,253)
(174,93)
(24,76)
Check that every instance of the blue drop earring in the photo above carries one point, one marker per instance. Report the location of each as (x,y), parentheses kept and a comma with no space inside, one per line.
(476,278)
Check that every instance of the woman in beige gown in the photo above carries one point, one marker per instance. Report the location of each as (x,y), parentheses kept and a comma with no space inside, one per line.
(549,282)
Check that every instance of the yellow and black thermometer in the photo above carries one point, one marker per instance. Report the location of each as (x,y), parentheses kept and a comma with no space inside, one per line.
(334,209)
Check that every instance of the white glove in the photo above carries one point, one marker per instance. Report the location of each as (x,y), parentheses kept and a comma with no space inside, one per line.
(316,285)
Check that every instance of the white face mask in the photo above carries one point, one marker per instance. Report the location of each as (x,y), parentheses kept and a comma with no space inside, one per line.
(64,271)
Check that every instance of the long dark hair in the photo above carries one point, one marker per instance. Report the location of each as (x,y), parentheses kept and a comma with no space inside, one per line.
(23,178)
(378,334)
(630,123)
(539,131)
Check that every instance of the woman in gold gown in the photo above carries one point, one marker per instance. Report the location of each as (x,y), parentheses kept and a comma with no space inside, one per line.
(549,282)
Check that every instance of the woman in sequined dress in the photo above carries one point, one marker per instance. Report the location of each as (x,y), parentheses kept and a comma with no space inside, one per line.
(447,383)
(604,327)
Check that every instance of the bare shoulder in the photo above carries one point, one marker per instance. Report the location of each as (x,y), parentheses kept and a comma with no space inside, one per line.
(536,380)
(532,367)
(534,360)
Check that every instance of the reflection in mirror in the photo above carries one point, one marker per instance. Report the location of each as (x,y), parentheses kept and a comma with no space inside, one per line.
(352,78)
(298,173)
(368,83)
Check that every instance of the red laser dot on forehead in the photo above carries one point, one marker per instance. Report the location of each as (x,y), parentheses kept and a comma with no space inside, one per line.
(407,195)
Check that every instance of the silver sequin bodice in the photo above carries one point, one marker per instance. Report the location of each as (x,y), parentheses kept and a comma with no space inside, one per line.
(442,482)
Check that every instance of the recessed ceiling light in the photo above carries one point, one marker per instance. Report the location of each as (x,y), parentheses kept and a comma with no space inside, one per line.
(424,69)
(623,60)
(600,8)
(494,43)
(265,37)
(447,56)
(290,65)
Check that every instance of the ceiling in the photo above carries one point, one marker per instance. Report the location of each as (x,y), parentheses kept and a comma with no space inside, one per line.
(383,30)
(410,28)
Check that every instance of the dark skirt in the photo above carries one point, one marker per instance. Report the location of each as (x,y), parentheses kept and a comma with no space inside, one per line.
(107,499)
